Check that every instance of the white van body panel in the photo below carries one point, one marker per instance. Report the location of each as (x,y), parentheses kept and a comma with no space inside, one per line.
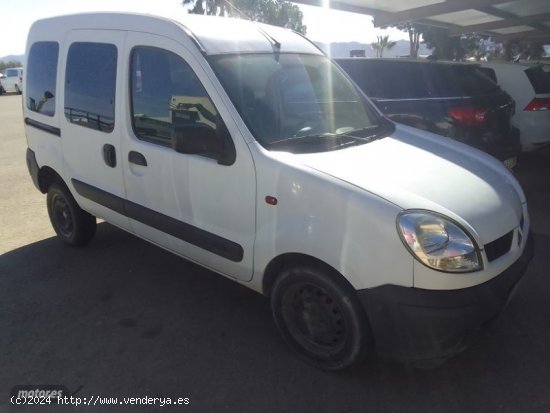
(380,182)
(416,171)
(48,148)
(318,214)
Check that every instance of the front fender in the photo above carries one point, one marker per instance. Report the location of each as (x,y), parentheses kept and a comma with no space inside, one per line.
(335,222)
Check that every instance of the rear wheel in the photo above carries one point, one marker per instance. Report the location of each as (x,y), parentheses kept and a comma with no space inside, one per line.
(320,317)
(73,225)
(17,90)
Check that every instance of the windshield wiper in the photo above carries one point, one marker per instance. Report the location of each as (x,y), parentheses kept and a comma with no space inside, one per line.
(341,139)
(365,133)
(313,138)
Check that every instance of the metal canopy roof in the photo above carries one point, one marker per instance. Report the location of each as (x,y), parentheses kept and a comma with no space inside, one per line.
(500,19)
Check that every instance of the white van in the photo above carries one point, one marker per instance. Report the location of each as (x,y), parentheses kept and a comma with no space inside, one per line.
(13,80)
(242,147)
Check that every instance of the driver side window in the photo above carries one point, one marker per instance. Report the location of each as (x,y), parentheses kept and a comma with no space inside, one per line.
(167,95)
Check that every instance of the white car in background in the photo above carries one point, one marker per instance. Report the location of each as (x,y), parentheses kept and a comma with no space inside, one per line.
(13,80)
(529,85)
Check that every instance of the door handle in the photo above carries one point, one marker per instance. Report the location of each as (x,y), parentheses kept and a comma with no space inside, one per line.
(137,158)
(109,155)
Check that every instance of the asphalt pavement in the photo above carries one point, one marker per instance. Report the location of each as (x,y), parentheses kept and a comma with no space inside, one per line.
(123,318)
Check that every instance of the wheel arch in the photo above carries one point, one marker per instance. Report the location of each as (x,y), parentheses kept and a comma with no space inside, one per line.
(277,264)
(48,176)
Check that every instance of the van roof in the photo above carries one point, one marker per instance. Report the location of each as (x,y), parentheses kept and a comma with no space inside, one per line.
(212,35)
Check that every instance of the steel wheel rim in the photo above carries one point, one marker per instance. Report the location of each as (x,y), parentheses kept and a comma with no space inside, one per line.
(314,319)
(63,216)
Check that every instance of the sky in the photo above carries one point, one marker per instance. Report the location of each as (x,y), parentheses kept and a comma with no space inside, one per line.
(322,24)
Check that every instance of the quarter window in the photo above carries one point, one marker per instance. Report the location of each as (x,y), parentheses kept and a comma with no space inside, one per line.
(91,85)
(167,97)
(41,77)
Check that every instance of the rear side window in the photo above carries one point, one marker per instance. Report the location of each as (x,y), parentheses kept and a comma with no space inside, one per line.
(539,79)
(90,85)
(41,77)
(167,96)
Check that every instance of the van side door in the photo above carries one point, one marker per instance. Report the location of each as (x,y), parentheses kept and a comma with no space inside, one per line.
(91,126)
(189,201)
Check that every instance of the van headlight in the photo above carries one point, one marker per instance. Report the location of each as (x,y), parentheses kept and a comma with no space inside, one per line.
(438,242)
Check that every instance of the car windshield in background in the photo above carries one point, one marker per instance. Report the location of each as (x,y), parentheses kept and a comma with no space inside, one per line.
(299,103)
(539,79)
(410,80)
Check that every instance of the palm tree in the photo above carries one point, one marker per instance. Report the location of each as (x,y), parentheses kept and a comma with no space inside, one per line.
(382,42)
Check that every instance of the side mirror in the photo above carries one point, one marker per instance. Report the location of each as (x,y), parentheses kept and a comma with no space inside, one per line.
(201,139)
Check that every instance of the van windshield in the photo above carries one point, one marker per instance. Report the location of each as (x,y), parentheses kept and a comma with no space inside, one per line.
(298,103)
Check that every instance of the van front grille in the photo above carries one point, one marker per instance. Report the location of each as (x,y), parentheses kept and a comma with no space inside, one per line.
(499,247)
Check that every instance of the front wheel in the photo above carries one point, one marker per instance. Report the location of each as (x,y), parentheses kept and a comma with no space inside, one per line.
(320,317)
(73,225)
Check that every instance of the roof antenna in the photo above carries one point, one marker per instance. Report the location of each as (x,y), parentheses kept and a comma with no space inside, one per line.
(276,44)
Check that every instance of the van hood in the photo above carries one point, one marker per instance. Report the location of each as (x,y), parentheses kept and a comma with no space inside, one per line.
(419,170)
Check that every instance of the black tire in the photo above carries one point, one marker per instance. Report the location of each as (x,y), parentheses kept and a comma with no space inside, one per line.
(320,317)
(17,90)
(73,225)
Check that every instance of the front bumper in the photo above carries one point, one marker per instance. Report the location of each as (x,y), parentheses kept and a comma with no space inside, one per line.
(417,324)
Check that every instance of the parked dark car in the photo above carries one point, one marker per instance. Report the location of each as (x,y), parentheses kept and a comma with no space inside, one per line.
(447,98)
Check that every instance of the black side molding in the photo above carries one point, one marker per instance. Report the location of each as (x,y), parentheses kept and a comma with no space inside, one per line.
(100,196)
(43,127)
(186,232)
